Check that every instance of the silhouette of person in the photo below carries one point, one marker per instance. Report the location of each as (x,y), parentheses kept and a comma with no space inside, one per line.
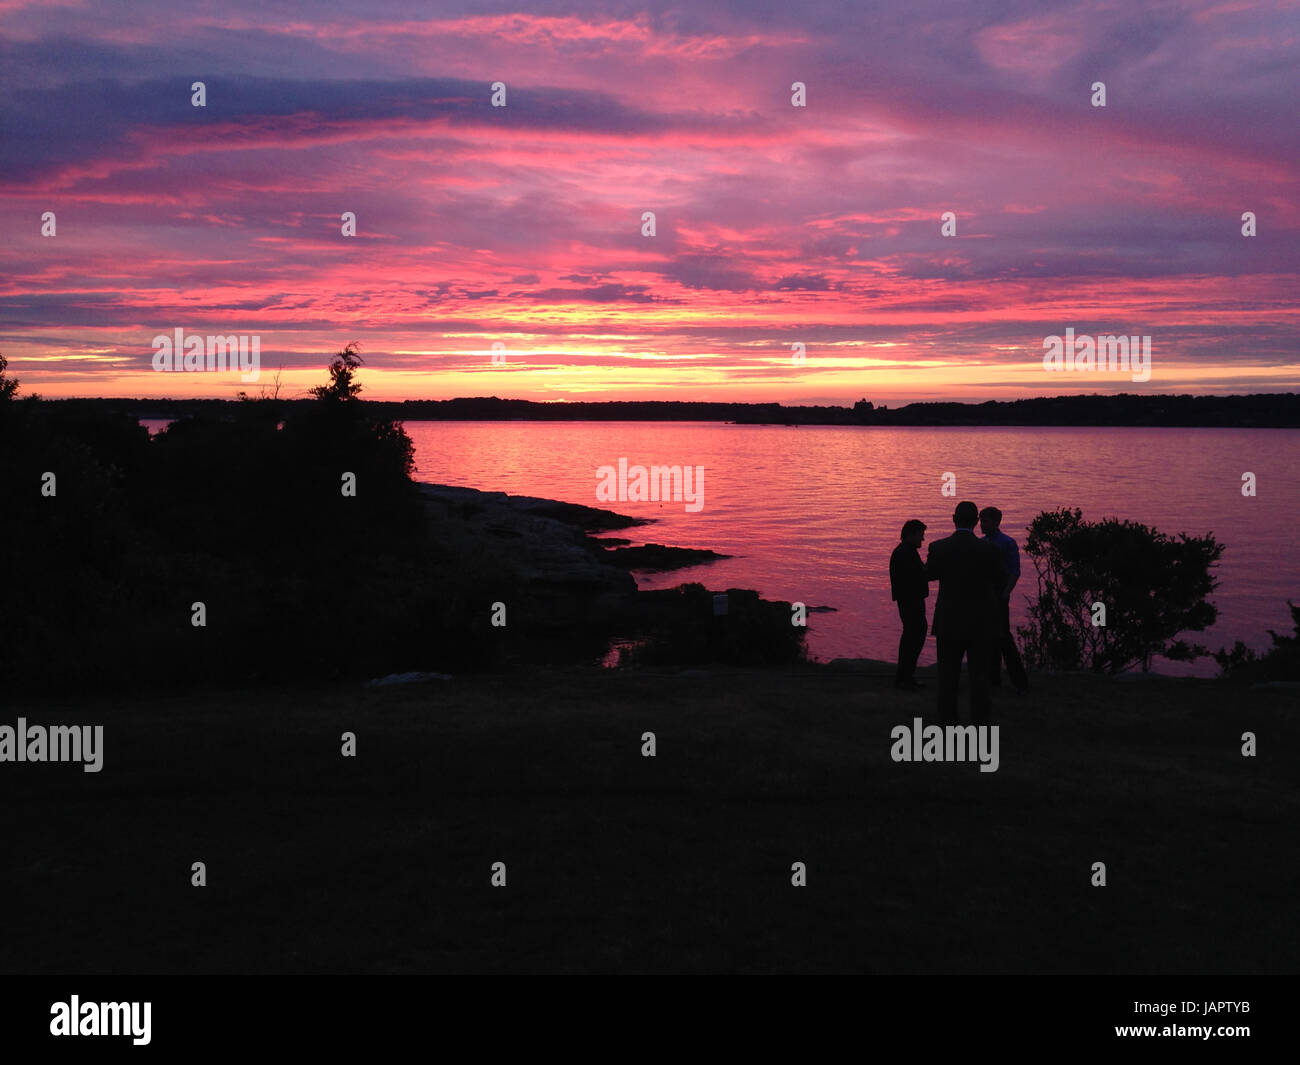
(1005,646)
(969,572)
(909,589)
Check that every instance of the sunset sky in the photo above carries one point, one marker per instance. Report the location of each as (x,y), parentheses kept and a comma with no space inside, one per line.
(775,224)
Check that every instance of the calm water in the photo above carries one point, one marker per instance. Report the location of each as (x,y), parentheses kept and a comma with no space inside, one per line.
(811,514)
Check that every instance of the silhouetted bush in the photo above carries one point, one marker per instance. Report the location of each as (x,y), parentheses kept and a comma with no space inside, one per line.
(1152,586)
(1279,662)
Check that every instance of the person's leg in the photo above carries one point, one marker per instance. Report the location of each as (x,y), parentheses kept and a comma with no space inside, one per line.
(910,643)
(1015,665)
(950,653)
(995,652)
(919,630)
(901,672)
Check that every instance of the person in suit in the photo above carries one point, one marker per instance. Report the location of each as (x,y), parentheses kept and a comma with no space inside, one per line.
(970,576)
(909,589)
(1005,646)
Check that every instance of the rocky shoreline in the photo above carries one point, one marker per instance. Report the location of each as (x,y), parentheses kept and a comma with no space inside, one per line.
(550,541)
(573,585)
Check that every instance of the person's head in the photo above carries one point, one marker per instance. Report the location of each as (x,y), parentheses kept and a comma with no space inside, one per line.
(913,533)
(966,515)
(990,520)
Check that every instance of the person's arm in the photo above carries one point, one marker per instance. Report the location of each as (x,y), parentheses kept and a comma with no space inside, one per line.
(1013,574)
(919,581)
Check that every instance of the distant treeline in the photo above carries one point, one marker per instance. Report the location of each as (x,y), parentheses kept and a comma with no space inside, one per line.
(1268,410)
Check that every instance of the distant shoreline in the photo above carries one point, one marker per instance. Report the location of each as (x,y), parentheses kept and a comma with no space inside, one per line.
(1275,410)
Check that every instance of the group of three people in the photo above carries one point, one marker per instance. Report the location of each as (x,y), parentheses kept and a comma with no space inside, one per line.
(972,612)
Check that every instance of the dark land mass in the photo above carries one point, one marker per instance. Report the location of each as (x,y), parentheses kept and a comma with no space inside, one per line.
(658,557)
(1279,410)
(616,862)
(515,748)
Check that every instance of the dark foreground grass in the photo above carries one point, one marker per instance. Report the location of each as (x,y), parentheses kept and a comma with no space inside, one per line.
(317,863)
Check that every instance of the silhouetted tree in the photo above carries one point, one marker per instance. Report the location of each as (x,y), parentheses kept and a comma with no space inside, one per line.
(342,386)
(8,385)
(1152,587)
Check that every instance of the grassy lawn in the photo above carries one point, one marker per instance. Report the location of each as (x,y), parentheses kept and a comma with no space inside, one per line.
(381,863)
